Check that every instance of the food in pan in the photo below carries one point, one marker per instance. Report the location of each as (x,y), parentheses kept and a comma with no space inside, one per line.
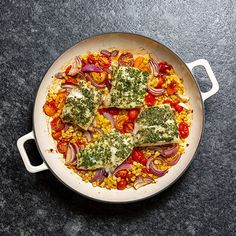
(120,118)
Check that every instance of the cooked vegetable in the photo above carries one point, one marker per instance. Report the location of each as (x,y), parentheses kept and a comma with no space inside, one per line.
(117,116)
(183,130)
(126,59)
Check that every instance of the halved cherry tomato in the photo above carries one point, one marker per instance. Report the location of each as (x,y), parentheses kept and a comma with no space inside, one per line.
(57,124)
(119,122)
(56,135)
(138,61)
(91,59)
(50,108)
(133,114)
(71,80)
(143,161)
(60,99)
(178,108)
(161,81)
(113,111)
(101,111)
(128,127)
(68,69)
(121,185)
(169,102)
(104,61)
(183,130)
(126,59)
(80,143)
(122,174)
(164,67)
(172,88)
(150,100)
(137,155)
(62,146)
(145,170)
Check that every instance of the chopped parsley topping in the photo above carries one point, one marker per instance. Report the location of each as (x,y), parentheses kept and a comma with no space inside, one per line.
(81,105)
(108,152)
(128,88)
(156,126)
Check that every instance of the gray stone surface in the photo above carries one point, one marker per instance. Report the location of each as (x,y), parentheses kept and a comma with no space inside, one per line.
(33,34)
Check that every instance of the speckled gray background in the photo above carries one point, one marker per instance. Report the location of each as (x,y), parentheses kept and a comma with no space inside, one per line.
(33,34)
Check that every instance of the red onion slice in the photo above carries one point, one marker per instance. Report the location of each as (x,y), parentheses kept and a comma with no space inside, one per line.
(141,181)
(157,172)
(78,62)
(91,68)
(100,86)
(100,175)
(174,160)
(150,166)
(122,167)
(66,127)
(154,67)
(114,53)
(105,53)
(68,86)
(88,136)
(156,92)
(59,75)
(170,151)
(110,118)
(70,155)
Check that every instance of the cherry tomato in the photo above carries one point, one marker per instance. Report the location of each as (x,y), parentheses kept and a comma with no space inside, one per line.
(80,143)
(137,155)
(183,130)
(113,111)
(122,174)
(57,124)
(126,59)
(133,114)
(50,108)
(91,59)
(71,80)
(138,62)
(56,135)
(104,61)
(143,161)
(172,88)
(164,67)
(68,69)
(150,100)
(161,81)
(101,111)
(145,170)
(62,146)
(60,99)
(121,185)
(178,108)
(128,127)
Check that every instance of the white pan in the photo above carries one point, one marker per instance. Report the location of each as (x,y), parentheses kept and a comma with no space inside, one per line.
(44,141)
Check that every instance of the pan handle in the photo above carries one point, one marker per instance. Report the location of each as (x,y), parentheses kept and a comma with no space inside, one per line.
(20,144)
(206,65)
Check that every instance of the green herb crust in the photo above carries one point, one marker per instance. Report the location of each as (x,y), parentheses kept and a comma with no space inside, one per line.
(128,88)
(108,152)
(156,126)
(81,105)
